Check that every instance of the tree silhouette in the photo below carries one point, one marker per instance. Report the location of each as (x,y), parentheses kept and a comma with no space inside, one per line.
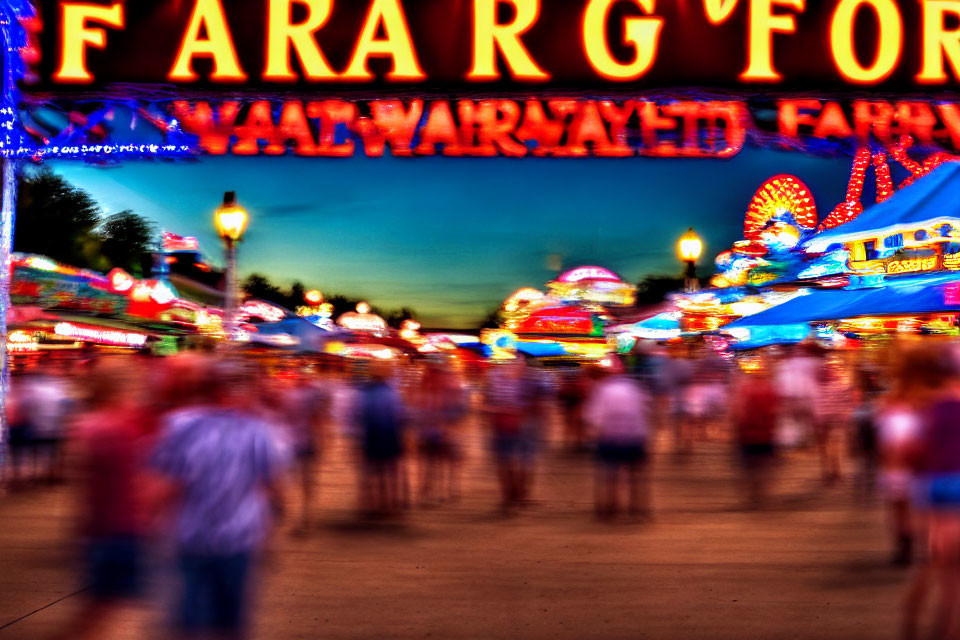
(491,320)
(396,317)
(126,242)
(259,286)
(58,220)
(655,288)
(295,297)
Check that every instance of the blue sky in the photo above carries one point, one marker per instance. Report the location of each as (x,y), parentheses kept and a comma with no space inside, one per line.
(451,237)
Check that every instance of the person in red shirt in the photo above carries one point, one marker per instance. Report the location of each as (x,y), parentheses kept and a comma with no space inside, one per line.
(109,444)
(755,412)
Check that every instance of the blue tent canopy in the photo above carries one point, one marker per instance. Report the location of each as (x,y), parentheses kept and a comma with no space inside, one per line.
(927,201)
(902,296)
(771,335)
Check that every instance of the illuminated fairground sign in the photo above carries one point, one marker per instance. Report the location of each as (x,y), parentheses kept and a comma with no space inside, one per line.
(102,79)
(173,243)
(444,44)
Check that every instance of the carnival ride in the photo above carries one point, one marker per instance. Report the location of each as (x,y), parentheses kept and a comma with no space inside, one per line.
(793,277)
(568,321)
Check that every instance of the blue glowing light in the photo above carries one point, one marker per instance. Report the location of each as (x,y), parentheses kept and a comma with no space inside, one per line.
(155,134)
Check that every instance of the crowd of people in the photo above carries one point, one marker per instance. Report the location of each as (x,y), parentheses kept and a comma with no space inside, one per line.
(206,450)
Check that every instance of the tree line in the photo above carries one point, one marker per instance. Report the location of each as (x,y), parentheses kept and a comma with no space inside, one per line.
(259,286)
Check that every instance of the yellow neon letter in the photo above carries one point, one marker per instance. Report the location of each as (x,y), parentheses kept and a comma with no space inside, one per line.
(889,40)
(488,36)
(938,42)
(396,44)
(642,33)
(763,24)
(218,45)
(281,34)
(76,36)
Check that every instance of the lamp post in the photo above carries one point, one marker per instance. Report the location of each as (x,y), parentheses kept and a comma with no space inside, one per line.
(231,221)
(690,248)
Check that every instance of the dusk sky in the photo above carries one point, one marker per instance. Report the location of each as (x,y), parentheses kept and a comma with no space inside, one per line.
(452,237)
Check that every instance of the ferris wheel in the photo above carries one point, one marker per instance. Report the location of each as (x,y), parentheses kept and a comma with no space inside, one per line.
(783,202)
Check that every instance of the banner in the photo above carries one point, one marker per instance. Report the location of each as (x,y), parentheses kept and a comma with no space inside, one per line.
(557,127)
(493,46)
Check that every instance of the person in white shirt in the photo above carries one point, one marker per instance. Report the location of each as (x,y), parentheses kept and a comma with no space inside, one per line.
(797,380)
(617,411)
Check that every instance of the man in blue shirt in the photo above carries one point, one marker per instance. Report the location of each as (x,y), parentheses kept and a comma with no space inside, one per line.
(224,461)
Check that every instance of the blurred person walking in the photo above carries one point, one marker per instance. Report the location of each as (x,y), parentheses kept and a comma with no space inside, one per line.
(797,379)
(898,420)
(439,405)
(866,397)
(705,399)
(755,411)
(938,467)
(45,402)
(109,443)
(224,464)
(618,411)
(380,416)
(676,377)
(19,467)
(513,399)
(572,394)
(833,420)
(304,407)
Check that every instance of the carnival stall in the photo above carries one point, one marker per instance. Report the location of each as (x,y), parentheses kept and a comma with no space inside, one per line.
(58,307)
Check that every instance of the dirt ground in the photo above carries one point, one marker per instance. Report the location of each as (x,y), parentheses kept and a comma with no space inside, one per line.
(815,565)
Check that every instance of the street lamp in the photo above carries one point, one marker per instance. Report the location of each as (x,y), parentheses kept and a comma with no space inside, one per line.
(690,248)
(231,221)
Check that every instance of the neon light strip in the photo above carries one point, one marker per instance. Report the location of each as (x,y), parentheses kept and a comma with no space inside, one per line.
(100,336)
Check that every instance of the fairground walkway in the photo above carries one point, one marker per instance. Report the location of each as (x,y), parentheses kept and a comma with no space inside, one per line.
(815,565)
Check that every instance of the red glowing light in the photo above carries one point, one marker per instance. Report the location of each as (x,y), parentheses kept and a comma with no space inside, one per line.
(851,207)
(750,248)
(884,180)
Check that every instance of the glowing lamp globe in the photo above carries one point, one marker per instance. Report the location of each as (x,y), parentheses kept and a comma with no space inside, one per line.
(121,281)
(363,307)
(690,246)
(231,219)
(313,297)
